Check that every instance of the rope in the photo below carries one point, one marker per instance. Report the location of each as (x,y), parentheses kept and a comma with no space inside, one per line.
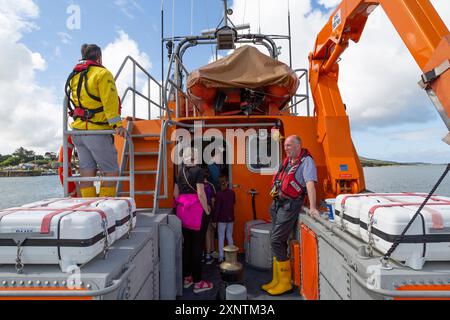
(401,237)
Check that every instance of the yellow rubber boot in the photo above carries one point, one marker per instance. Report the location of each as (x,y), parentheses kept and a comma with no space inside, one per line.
(274,281)
(284,279)
(89,192)
(107,192)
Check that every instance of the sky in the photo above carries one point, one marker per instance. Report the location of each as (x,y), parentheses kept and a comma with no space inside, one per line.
(391,117)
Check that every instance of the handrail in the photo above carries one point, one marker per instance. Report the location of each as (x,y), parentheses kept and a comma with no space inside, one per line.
(82,293)
(397,293)
(140,67)
(294,102)
(141,95)
(161,151)
(66,178)
(135,92)
(182,65)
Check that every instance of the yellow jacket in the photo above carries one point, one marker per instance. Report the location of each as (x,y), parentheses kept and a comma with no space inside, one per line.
(100,83)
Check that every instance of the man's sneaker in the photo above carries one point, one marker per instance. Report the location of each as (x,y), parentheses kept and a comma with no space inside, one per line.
(188,281)
(209,259)
(203,286)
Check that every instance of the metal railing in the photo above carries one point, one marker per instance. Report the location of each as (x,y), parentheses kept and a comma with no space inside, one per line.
(299,98)
(67,179)
(70,293)
(177,85)
(162,106)
(150,80)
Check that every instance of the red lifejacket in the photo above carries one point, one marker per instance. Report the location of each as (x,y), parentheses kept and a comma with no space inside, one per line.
(290,187)
(79,111)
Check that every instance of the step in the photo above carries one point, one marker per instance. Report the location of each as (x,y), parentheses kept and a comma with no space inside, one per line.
(147,135)
(142,172)
(138,193)
(139,153)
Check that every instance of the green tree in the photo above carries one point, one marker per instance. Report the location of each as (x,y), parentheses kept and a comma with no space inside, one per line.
(50,156)
(42,162)
(24,155)
(11,161)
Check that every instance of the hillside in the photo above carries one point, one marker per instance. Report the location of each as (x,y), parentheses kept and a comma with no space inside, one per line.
(367,162)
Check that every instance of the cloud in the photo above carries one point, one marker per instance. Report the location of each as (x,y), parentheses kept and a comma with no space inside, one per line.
(378,76)
(113,56)
(329,3)
(30,113)
(127,6)
(16,18)
(65,37)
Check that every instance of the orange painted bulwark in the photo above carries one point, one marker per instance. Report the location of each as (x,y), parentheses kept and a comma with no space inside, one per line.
(146,182)
(424,288)
(309,264)
(295,262)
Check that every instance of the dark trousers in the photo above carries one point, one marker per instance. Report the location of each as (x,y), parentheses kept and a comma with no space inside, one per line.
(193,242)
(284,219)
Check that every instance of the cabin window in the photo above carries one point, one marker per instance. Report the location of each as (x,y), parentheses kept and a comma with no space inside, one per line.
(263,153)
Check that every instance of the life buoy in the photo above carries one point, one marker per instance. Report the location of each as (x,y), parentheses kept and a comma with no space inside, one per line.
(72,185)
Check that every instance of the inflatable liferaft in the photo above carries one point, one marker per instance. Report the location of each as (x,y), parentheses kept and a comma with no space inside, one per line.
(247,81)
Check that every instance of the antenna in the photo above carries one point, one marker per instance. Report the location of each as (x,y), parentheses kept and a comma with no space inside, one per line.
(289,31)
(225,12)
(162,49)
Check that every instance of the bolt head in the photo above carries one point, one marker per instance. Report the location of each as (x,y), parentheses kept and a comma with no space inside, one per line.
(88,286)
(13,283)
(55,283)
(30,283)
(47,283)
(64,283)
(38,283)
(21,283)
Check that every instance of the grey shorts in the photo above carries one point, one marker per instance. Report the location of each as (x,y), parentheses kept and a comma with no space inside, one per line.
(96,150)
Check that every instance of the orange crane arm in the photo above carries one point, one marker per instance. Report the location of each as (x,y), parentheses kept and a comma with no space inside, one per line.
(426,37)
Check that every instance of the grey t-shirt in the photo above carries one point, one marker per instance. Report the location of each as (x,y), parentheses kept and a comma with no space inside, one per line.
(306,172)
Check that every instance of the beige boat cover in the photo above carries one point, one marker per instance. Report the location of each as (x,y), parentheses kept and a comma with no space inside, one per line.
(246,67)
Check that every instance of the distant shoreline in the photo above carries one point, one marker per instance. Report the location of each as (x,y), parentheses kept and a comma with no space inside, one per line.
(25,173)
(366,162)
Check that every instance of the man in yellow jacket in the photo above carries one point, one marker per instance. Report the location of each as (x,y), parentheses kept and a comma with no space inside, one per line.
(95,105)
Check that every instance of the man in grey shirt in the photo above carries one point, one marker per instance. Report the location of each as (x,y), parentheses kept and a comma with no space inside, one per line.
(295,179)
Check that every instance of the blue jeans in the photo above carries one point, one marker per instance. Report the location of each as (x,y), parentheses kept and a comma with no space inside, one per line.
(222,229)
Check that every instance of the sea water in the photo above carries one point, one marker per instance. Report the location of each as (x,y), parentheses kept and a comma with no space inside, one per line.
(19,191)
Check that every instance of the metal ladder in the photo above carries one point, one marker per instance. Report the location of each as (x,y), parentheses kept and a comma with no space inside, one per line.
(127,156)
(160,153)
(67,179)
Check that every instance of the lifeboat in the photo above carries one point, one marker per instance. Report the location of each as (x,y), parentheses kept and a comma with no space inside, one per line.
(247,81)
